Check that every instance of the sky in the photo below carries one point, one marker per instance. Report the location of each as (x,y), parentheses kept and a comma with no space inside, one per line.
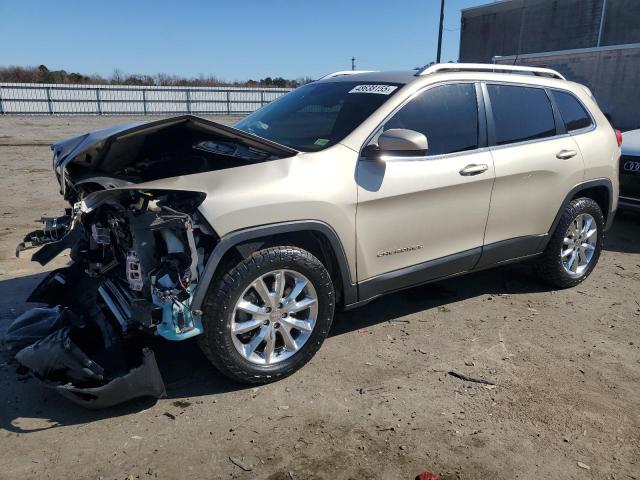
(233,40)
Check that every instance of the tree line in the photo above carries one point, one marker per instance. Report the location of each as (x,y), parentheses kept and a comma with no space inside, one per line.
(41,74)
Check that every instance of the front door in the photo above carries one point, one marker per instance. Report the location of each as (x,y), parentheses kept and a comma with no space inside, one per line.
(421,218)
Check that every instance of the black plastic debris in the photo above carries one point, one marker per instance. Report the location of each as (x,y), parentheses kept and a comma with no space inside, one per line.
(57,356)
(142,381)
(35,324)
(90,363)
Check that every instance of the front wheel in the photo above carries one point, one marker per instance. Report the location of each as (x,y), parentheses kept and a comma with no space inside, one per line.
(574,248)
(268,315)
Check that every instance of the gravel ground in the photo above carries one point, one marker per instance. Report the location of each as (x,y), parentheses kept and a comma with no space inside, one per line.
(377,401)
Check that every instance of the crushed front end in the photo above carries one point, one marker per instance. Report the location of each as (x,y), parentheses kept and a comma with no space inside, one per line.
(139,245)
(136,260)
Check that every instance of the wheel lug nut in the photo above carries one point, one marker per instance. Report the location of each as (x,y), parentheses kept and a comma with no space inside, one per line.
(280,305)
(284,315)
(276,325)
(268,309)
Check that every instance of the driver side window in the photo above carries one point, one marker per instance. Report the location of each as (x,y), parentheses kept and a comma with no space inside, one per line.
(447,115)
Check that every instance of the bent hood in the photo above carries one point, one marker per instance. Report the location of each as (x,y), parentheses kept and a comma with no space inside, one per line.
(100,144)
(70,148)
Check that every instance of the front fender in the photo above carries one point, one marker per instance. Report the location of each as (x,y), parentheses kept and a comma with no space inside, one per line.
(235,238)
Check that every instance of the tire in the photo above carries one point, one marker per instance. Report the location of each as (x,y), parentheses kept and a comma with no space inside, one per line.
(222,312)
(551,266)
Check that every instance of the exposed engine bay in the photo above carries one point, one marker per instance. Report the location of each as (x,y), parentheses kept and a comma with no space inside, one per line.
(137,256)
(144,250)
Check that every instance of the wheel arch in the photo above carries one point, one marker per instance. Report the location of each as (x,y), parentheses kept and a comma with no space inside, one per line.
(312,235)
(600,194)
(599,190)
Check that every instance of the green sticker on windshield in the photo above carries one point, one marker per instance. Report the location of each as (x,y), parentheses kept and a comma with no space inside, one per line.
(321,142)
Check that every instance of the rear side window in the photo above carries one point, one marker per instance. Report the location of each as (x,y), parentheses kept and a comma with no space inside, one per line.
(573,113)
(446,115)
(521,113)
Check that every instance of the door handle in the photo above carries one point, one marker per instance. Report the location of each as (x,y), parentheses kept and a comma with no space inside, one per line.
(566,154)
(474,169)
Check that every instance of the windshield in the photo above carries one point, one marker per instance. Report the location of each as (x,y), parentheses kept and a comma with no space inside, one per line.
(317,115)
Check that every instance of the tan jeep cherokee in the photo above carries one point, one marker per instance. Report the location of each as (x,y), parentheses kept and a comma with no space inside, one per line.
(345,189)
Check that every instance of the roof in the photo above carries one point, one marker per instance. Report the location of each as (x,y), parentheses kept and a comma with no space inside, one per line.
(631,143)
(489,67)
(403,77)
(457,70)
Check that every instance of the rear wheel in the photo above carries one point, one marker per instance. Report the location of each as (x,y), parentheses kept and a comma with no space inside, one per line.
(574,248)
(268,315)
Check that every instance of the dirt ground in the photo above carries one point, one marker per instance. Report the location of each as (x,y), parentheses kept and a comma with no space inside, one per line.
(377,401)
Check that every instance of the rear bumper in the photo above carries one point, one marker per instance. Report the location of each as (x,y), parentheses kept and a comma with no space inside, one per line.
(629,203)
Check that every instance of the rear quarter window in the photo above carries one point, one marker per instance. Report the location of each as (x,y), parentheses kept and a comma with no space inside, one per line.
(521,113)
(573,114)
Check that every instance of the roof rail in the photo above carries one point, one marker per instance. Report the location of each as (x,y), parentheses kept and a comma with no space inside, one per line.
(342,73)
(488,67)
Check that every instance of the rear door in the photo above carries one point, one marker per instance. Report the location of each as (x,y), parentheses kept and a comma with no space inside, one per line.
(536,164)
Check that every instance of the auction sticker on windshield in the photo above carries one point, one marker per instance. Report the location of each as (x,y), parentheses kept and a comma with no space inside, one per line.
(379,89)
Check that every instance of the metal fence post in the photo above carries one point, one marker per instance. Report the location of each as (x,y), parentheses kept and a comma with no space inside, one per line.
(48,90)
(144,101)
(261,98)
(188,101)
(228,103)
(602,17)
(98,101)
(1,106)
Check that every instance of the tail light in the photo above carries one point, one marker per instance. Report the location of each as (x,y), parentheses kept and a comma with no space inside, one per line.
(618,137)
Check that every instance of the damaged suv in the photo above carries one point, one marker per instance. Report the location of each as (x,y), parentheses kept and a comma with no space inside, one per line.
(353,186)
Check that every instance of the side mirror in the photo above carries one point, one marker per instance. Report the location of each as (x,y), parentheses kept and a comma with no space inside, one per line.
(398,142)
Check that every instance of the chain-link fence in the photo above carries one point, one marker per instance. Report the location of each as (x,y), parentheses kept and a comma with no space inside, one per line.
(50,99)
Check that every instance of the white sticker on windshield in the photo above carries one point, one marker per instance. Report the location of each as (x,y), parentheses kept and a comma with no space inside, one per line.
(379,89)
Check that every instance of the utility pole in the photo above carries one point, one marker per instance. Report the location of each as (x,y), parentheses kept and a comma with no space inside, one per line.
(353,63)
(604,9)
(440,31)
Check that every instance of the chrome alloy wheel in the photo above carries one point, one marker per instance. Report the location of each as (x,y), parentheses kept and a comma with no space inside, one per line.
(274,317)
(579,244)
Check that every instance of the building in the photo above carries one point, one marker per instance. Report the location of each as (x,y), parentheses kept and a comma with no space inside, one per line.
(594,42)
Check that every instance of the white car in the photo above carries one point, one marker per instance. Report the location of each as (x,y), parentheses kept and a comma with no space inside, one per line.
(630,170)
